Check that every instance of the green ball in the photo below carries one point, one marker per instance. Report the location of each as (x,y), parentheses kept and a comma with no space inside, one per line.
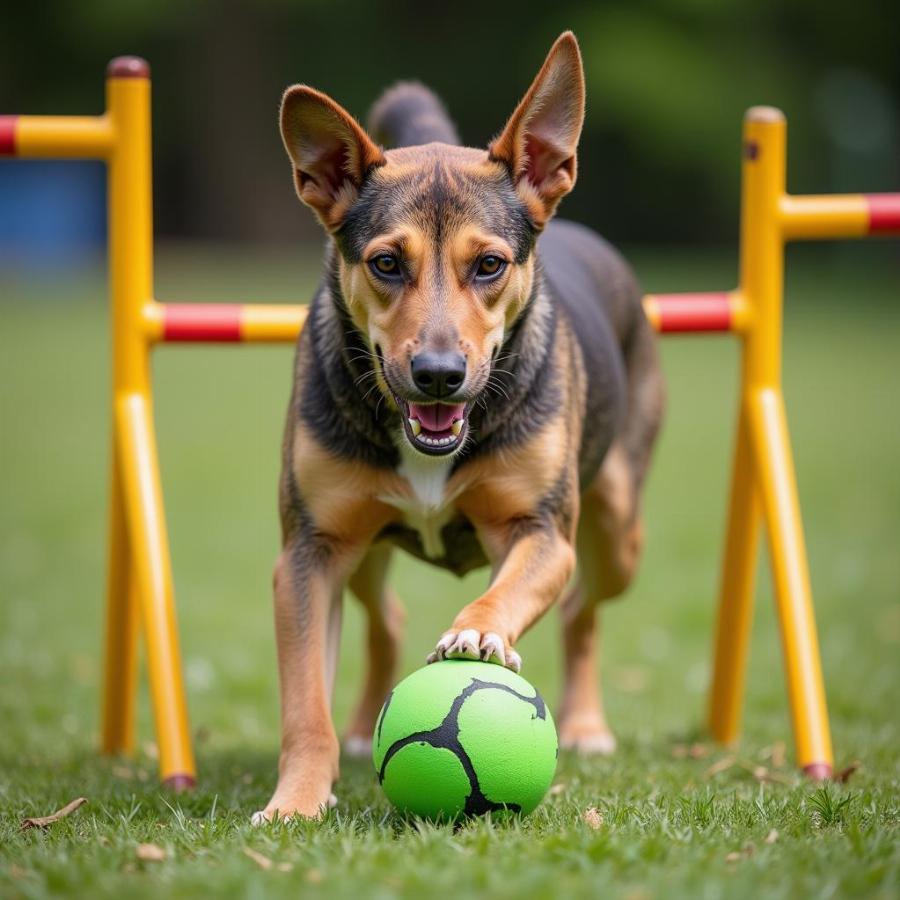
(461,738)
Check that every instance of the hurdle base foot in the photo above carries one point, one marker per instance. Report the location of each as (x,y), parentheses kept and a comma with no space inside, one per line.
(817,771)
(179,783)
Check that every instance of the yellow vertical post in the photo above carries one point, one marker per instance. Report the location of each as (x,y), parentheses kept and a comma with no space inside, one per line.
(120,669)
(735,610)
(131,287)
(764,469)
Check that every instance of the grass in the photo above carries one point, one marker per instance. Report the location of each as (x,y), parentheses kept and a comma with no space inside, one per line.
(674,818)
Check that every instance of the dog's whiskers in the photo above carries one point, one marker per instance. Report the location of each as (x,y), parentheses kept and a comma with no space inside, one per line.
(369,391)
(364,376)
(498,390)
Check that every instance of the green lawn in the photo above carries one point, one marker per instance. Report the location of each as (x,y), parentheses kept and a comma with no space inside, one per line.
(669,824)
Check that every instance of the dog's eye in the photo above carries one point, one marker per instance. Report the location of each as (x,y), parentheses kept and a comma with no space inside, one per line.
(386,265)
(489,267)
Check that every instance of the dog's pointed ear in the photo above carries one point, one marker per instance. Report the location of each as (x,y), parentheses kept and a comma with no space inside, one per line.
(330,151)
(540,139)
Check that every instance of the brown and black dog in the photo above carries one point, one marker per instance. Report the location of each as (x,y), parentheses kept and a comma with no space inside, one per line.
(474,383)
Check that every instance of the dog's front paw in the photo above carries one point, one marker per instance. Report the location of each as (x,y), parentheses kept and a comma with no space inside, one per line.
(472,644)
(287,811)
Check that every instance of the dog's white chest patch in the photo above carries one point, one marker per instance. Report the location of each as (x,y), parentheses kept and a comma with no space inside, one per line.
(428,509)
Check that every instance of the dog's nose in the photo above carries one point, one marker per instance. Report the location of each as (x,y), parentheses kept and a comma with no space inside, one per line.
(438,374)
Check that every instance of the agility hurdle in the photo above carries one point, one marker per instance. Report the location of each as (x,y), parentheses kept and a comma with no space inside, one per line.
(763,488)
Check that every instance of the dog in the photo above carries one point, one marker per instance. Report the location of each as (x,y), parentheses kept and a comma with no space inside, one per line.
(475,384)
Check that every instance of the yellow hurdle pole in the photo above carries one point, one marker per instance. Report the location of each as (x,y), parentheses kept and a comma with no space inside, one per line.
(120,666)
(760,272)
(736,589)
(69,137)
(815,217)
(762,282)
(131,286)
(793,594)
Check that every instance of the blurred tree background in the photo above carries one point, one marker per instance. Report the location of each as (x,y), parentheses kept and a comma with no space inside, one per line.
(668,81)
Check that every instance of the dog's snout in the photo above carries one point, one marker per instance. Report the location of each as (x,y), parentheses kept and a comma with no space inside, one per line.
(438,374)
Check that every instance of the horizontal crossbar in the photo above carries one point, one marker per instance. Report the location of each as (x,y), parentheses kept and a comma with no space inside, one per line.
(56,137)
(176,323)
(223,322)
(821,216)
(714,311)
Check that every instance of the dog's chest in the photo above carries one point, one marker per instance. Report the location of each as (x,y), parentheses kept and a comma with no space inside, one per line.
(428,506)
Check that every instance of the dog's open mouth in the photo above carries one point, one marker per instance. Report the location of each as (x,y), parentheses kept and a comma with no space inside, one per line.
(434,428)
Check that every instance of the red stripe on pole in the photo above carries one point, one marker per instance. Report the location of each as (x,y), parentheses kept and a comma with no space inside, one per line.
(694,312)
(884,212)
(202,322)
(8,135)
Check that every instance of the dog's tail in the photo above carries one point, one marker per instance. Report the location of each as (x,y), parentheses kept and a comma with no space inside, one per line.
(409,114)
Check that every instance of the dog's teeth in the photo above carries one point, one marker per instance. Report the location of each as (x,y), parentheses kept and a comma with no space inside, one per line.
(457,426)
(416,426)
(433,441)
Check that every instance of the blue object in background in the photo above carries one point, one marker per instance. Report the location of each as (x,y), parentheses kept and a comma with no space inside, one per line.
(52,215)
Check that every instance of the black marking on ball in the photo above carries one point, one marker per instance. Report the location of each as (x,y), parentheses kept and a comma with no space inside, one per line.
(384,710)
(446,737)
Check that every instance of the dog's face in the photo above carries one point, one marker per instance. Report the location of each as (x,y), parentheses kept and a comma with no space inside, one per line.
(436,242)
(436,262)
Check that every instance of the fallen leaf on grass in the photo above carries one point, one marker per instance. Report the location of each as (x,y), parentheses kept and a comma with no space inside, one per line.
(557,788)
(779,755)
(775,754)
(725,763)
(690,751)
(17,871)
(46,821)
(844,775)
(771,837)
(592,818)
(150,852)
(262,861)
(761,773)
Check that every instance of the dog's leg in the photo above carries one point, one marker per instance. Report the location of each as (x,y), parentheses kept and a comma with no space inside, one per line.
(609,544)
(384,626)
(582,722)
(533,565)
(610,537)
(309,579)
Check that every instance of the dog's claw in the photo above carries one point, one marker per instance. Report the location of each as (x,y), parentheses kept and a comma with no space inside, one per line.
(472,644)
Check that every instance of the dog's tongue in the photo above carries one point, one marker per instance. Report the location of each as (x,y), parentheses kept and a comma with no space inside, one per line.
(437,416)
